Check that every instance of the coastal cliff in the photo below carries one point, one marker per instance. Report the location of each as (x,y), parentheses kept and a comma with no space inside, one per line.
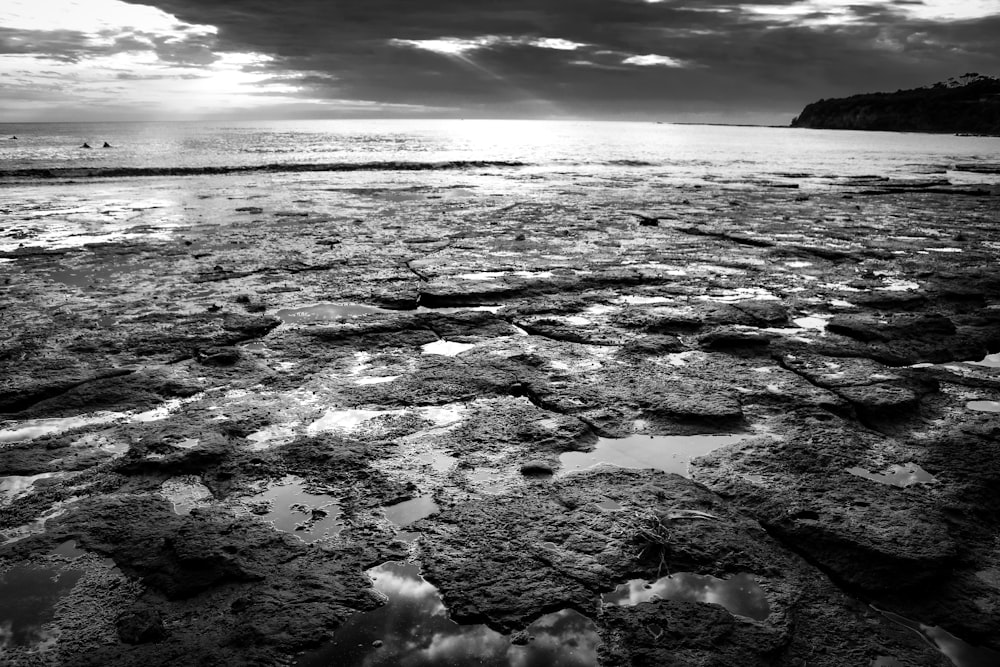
(969,104)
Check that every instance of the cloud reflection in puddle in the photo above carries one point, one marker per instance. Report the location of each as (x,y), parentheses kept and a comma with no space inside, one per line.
(413,629)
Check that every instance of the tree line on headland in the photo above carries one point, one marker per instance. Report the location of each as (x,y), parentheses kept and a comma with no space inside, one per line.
(969,104)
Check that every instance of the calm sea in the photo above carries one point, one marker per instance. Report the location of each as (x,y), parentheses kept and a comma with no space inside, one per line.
(719,153)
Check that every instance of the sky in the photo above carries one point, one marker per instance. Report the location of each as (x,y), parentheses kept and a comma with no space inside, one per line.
(672,60)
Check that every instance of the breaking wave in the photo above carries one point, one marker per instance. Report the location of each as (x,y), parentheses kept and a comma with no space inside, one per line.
(127,172)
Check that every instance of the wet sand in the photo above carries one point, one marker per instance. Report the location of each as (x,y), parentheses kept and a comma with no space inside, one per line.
(215,386)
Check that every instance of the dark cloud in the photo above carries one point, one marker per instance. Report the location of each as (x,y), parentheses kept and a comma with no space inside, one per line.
(736,58)
(126,76)
(73,46)
(63,45)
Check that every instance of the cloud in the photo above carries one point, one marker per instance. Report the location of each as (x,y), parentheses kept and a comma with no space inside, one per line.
(651,60)
(577,57)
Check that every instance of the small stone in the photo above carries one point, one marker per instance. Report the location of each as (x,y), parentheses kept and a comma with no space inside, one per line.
(520,638)
(377,643)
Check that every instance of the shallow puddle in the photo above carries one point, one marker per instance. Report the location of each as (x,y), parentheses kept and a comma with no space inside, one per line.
(811,322)
(347,420)
(29,596)
(740,595)
(165,409)
(36,428)
(990,360)
(326,312)
(487,480)
(446,348)
(902,476)
(640,300)
(984,406)
(309,516)
(460,309)
(481,275)
(37,525)
(101,442)
(669,453)
(375,379)
(439,462)
(83,278)
(271,436)
(961,654)
(740,294)
(185,493)
(15,485)
(408,511)
(413,629)
(68,549)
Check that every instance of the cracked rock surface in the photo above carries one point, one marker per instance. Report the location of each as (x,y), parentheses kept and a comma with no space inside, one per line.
(214,462)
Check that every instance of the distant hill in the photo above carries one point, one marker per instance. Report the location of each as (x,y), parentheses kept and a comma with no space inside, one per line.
(969,104)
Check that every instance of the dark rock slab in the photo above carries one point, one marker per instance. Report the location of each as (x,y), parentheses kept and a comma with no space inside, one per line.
(683,634)
(869,328)
(140,624)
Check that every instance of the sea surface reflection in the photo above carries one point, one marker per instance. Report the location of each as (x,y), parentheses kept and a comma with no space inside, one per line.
(413,630)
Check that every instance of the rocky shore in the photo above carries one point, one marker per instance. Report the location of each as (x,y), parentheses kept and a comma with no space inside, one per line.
(218,418)
(968,105)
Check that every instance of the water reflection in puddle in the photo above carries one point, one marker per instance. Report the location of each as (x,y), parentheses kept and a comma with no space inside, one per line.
(347,420)
(68,549)
(811,322)
(990,360)
(446,348)
(902,476)
(439,462)
(309,516)
(325,312)
(83,278)
(351,419)
(29,596)
(959,652)
(984,406)
(609,505)
(185,493)
(36,428)
(408,511)
(413,629)
(15,485)
(670,453)
(740,595)
(271,436)
(486,480)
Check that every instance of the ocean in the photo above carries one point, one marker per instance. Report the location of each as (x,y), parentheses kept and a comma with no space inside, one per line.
(157,178)
(682,153)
